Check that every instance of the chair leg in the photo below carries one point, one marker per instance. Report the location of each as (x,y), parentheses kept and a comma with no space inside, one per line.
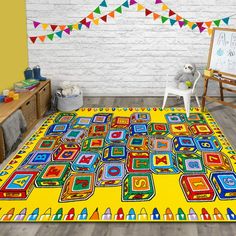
(165,98)
(187,105)
(198,103)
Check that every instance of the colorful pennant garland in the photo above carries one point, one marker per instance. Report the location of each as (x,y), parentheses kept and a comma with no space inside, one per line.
(173,18)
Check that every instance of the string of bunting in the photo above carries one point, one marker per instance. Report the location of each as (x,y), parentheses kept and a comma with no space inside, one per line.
(172,17)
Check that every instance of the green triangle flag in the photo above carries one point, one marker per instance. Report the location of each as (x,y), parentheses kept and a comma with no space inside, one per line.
(50,36)
(97,10)
(163,19)
(70,27)
(217,22)
(185,22)
(119,9)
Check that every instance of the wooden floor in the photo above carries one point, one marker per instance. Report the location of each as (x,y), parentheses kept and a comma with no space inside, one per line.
(226,118)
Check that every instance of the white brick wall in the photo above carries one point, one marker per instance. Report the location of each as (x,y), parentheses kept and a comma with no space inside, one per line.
(129,55)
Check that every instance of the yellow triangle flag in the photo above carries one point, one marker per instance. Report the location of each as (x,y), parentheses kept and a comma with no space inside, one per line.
(164,7)
(45,26)
(210,31)
(190,24)
(76,26)
(96,21)
(140,7)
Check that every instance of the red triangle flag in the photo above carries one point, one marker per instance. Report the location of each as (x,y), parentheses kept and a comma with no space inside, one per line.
(83,21)
(33,39)
(147,12)
(53,27)
(199,24)
(104,18)
(171,13)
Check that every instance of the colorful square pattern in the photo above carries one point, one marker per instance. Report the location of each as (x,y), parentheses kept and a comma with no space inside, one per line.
(138,164)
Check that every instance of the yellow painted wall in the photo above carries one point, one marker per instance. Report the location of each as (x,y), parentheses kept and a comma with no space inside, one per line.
(13,42)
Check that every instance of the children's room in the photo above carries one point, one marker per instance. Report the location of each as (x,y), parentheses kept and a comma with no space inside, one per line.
(118,111)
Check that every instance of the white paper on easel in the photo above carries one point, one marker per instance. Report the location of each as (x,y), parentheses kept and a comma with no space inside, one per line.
(223,56)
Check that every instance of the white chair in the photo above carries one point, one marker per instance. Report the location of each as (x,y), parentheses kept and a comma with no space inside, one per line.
(186,94)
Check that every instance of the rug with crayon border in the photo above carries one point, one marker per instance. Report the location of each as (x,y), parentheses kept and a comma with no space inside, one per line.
(122,164)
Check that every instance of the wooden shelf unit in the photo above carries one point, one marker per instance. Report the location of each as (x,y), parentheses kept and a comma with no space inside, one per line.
(33,104)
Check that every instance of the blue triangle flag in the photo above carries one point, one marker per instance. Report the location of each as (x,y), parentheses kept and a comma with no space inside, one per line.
(59,34)
(172,21)
(126,4)
(80,26)
(194,26)
(103,4)
(226,20)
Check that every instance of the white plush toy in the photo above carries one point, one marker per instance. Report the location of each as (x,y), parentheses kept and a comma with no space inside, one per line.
(185,78)
(70,89)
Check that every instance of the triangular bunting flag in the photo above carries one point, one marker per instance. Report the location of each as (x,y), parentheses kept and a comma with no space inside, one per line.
(140,7)
(104,18)
(33,39)
(70,27)
(36,24)
(172,22)
(190,24)
(178,18)
(185,22)
(163,19)
(112,14)
(80,26)
(53,27)
(50,36)
(155,16)
(164,7)
(42,38)
(96,21)
(171,13)
(147,12)
(67,30)
(226,20)
(210,31)
(103,4)
(62,27)
(126,4)
(217,23)
(76,26)
(44,26)
(83,21)
(59,34)
(199,24)
(91,16)
(158,1)
(88,24)
(97,10)
(181,24)
(201,29)
(208,24)
(132,2)
(194,26)
(119,9)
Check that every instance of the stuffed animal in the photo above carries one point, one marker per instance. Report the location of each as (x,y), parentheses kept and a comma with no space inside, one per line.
(69,89)
(184,78)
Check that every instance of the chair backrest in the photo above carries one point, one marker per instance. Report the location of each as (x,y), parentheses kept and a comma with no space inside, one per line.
(196,81)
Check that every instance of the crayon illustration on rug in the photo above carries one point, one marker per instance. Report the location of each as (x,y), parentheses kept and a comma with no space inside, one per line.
(122,164)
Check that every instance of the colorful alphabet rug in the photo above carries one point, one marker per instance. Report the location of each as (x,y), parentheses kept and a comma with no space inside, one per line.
(122,164)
